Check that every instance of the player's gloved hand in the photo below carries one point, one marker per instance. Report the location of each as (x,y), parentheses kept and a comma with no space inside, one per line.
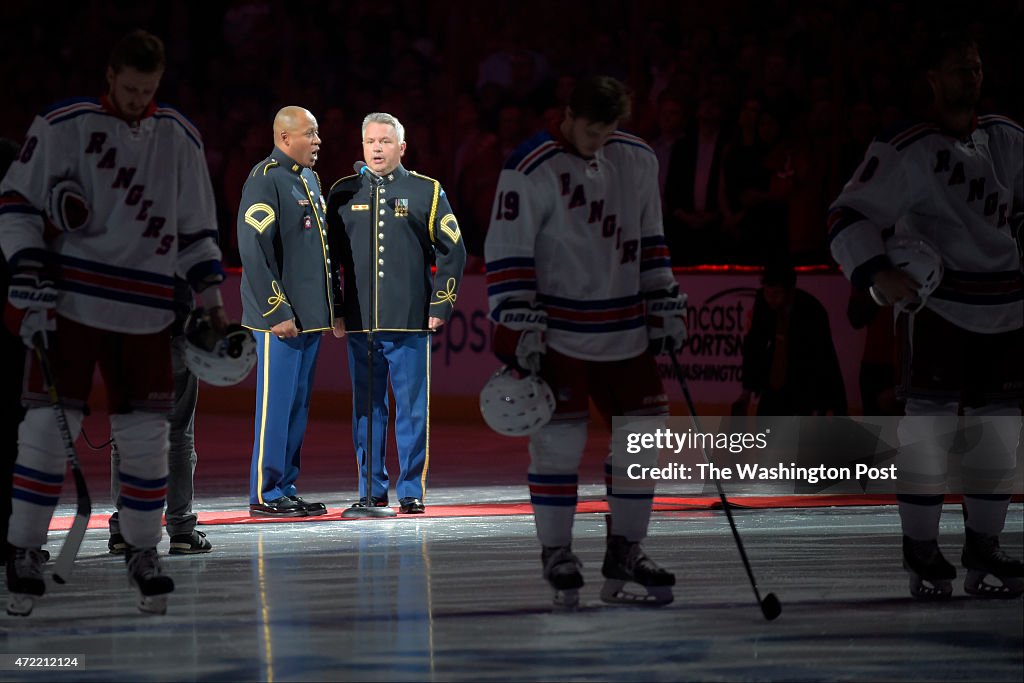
(666,322)
(530,350)
(520,349)
(67,207)
(31,305)
(666,334)
(519,337)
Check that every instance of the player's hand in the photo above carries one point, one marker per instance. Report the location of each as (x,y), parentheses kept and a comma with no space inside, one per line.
(893,286)
(434,323)
(530,350)
(219,320)
(285,330)
(665,334)
(339,327)
(31,305)
(519,349)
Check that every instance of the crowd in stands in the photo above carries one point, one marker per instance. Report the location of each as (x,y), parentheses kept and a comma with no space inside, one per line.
(758,112)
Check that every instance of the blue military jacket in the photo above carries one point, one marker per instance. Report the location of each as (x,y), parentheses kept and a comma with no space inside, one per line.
(282,239)
(389,235)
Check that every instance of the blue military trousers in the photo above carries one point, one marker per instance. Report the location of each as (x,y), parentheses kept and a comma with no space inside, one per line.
(284,385)
(404,359)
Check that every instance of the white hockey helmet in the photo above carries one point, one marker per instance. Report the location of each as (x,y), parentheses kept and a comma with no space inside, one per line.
(220,360)
(918,259)
(66,206)
(516,406)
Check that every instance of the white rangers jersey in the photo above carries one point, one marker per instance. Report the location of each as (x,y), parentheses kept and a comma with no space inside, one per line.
(963,195)
(583,240)
(152,212)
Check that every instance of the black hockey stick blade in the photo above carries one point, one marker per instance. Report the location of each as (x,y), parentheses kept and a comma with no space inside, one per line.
(771,608)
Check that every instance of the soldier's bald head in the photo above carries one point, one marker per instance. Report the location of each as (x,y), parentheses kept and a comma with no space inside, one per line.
(297,135)
(290,119)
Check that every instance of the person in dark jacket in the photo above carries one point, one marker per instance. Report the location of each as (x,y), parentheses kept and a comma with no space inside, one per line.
(288,299)
(388,227)
(788,356)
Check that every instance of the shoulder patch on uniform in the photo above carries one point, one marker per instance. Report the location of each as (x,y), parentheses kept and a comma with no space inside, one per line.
(450,227)
(259,224)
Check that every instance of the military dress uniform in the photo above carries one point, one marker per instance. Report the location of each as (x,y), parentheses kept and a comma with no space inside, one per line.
(286,273)
(407,224)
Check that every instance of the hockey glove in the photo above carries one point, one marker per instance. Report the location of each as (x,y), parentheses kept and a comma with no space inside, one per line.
(666,323)
(666,335)
(31,305)
(519,349)
(519,338)
(67,207)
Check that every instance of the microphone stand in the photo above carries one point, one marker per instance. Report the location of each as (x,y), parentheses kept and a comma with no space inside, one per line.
(370,510)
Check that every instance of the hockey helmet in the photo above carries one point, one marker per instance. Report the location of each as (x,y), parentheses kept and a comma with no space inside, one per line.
(918,259)
(516,406)
(220,360)
(66,206)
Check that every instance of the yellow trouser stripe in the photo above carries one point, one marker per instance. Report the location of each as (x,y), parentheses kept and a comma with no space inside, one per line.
(263,415)
(426,460)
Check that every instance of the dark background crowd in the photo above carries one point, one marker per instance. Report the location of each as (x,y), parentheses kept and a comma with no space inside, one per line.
(758,112)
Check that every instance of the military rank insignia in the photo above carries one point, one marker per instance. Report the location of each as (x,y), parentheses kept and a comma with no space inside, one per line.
(401,208)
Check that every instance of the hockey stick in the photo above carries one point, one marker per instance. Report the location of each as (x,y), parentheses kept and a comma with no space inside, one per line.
(770,605)
(66,560)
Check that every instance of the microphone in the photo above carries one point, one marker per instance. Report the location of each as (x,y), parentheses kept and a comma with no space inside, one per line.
(361,168)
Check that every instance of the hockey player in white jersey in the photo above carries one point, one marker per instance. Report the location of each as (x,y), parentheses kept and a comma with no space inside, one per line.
(954,185)
(108,200)
(580,286)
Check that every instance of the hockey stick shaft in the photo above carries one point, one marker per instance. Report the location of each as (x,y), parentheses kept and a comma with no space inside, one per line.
(721,494)
(65,561)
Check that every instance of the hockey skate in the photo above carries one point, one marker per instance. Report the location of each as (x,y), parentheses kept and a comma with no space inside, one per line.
(144,573)
(562,571)
(25,582)
(626,562)
(982,557)
(931,576)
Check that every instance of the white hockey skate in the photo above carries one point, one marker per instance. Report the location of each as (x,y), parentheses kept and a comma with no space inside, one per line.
(982,558)
(25,582)
(562,571)
(144,573)
(931,575)
(626,562)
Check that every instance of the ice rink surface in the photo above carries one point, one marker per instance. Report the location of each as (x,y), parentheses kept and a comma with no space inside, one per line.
(462,598)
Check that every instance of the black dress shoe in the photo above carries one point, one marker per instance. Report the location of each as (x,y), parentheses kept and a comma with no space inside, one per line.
(377,503)
(312,509)
(279,507)
(412,506)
